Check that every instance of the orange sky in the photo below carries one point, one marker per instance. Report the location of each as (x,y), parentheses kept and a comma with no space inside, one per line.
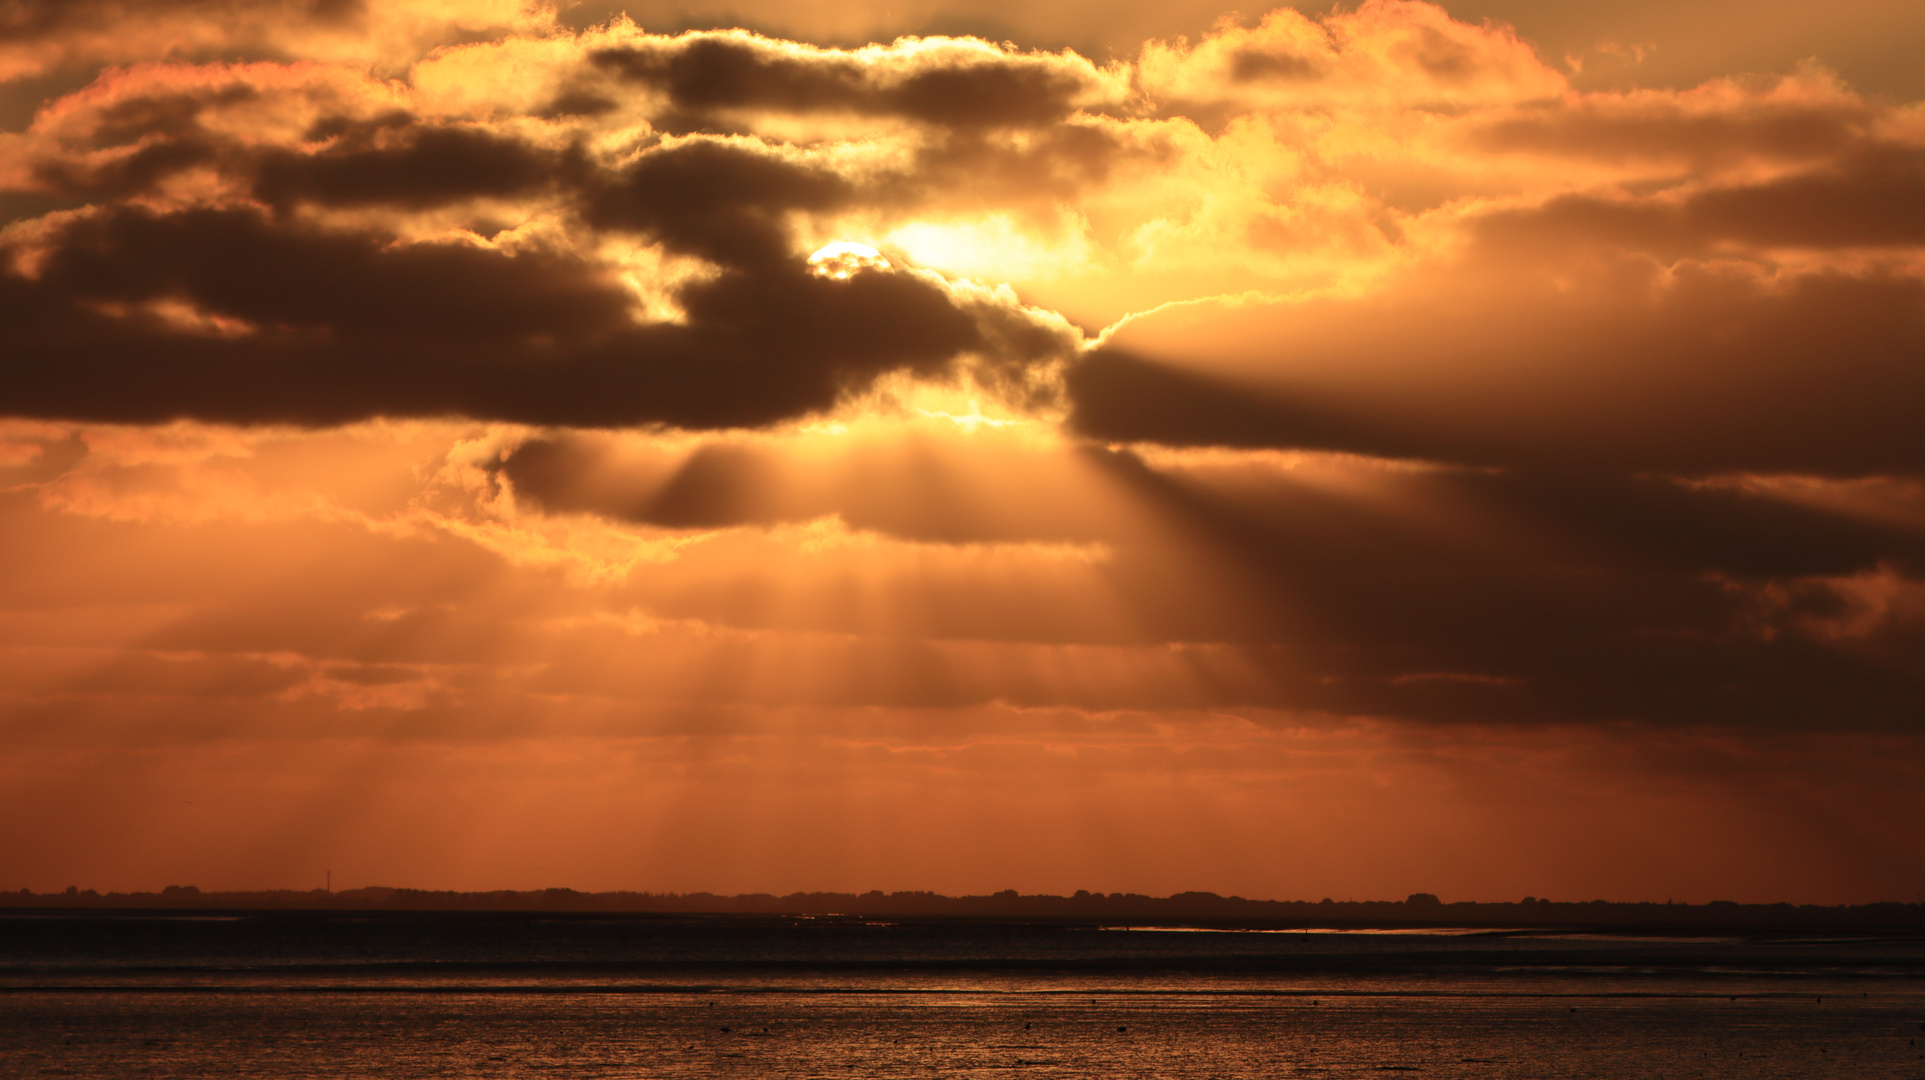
(464,444)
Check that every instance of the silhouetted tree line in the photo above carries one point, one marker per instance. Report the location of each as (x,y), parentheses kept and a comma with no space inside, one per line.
(1185,908)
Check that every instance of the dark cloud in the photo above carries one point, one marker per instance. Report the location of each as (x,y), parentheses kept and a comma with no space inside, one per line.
(704,197)
(169,114)
(168,138)
(1655,524)
(1643,128)
(27,20)
(319,322)
(1445,596)
(578,102)
(1635,524)
(1121,397)
(239,264)
(385,160)
(702,73)
(60,37)
(986,95)
(349,325)
(434,167)
(719,201)
(718,485)
(1265,65)
(1051,168)
(1873,197)
(1613,365)
(916,491)
(1436,595)
(1566,576)
(133,174)
(1581,599)
(1444,58)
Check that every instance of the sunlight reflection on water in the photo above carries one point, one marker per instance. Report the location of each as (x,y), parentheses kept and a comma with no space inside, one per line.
(1021,1026)
(515,996)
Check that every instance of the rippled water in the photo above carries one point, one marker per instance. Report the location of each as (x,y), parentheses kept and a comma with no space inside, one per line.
(524,997)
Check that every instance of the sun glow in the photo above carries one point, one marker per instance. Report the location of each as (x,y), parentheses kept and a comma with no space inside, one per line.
(844,259)
(996,248)
(972,419)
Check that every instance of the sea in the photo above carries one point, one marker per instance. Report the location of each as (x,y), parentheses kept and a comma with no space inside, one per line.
(402,995)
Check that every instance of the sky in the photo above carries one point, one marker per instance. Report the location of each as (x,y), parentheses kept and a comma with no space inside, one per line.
(1330,452)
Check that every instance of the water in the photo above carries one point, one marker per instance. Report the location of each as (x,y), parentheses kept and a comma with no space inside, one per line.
(524,996)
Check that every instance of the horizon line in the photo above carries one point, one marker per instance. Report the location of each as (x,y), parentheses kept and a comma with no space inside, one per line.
(1415,901)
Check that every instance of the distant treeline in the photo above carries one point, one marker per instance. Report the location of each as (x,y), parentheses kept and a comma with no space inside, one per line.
(1188,908)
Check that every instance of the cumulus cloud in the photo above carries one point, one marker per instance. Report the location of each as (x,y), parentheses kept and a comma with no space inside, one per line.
(951,83)
(1384,52)
(297,245)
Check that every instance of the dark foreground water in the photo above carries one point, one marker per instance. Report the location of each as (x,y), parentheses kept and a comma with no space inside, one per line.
(527,996)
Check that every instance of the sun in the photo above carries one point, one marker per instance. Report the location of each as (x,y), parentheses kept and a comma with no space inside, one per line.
(843,259)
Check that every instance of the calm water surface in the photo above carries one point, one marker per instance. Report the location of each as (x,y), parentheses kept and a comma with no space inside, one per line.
(521,996)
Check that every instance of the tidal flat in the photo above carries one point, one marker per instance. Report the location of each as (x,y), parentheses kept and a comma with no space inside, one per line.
(529,995)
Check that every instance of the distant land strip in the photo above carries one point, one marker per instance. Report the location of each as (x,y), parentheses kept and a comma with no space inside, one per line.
(1198,909)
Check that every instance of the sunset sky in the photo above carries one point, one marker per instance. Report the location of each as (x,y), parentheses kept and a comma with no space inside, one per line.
(915,444)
